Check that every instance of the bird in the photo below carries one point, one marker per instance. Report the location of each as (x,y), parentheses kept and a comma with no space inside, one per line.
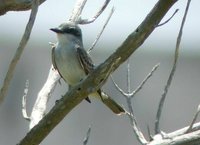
(73,63)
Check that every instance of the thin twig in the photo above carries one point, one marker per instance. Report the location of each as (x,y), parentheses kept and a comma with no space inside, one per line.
(77,10)
(193,120)
(132,118)
(139,135)
(87,21)
(168,19)
(128,76)
(145,80)
(162,100)
(19,50)
(129,96)
(86,139)
(24,110)
(132,94)
(118,88)
(149,133)
(100,33)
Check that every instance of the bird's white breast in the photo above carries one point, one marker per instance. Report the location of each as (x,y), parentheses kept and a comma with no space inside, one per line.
(68,63)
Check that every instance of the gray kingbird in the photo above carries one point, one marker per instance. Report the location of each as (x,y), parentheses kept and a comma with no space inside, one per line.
(73,63)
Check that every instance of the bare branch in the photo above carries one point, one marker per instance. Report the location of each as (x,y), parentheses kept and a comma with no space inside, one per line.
(139,135)
(128,76)
(168,19)
(162,100)
(76,12)
(19,50)
(145,80)
(132,118)
(133,122)
(118,88)
(193,120)
(100,33)
(87,21)
(182,131)
(149,133)
(43,96)
(85,140)
(24,110)
(192,138)
(132,94)
(16,5)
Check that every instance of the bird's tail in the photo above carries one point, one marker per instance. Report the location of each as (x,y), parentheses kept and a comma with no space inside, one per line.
(110,103)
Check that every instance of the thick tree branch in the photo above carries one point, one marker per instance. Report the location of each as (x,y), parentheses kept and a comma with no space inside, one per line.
(96,79)
(16,5)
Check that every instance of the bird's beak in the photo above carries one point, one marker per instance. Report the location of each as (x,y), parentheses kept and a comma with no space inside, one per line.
(56,30)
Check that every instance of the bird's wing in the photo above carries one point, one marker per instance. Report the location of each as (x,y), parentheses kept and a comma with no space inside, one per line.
(85,62)
(54,62)
(84,59)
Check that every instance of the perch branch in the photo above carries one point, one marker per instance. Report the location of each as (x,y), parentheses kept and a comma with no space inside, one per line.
(19,50)
(162,100)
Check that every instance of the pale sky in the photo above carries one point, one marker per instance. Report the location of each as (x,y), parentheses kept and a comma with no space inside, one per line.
(127,16)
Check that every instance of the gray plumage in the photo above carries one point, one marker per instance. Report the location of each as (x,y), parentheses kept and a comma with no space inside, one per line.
(74,64)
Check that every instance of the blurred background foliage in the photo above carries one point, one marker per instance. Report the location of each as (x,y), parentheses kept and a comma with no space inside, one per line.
(107,128)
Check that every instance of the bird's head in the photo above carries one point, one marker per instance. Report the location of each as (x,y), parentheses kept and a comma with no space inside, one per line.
(68,31)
